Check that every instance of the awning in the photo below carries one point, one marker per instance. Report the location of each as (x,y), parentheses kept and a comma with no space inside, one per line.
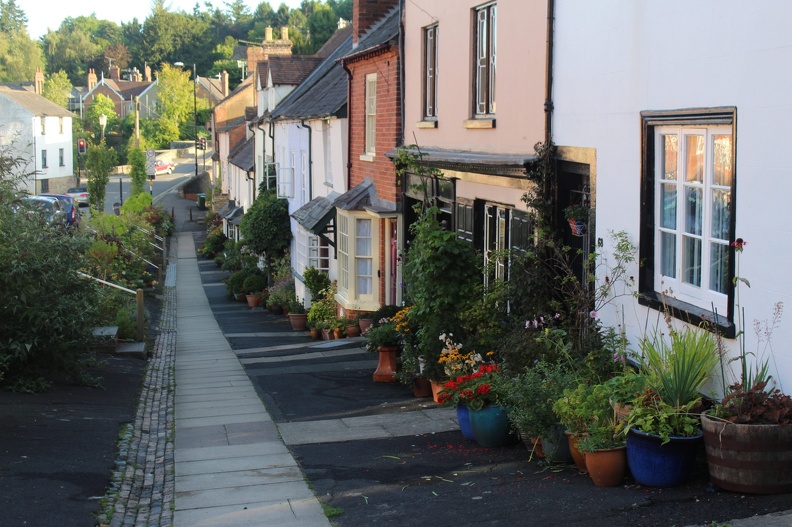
(514,165)
(225,209)
(317,214)
(235,215)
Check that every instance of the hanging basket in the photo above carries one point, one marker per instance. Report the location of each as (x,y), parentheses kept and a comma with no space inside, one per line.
(579,227)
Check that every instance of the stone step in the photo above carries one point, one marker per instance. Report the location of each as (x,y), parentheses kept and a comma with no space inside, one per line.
(131,349)
(105,338)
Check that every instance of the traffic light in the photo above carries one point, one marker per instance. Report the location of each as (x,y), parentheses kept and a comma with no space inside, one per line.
(82,146)
(203,143)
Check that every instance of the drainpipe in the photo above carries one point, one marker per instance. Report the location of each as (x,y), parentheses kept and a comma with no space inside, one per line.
(349,121)
(548,104)
(400,140)
(310,158)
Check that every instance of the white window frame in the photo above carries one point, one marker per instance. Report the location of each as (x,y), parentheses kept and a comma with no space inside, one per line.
(371,115)
(485,59)
(350,256)
(304,183)
(285,177)
(698,294)
(431,69)
(328,153)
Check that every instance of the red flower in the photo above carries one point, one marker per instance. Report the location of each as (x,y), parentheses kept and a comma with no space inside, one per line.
(483,389)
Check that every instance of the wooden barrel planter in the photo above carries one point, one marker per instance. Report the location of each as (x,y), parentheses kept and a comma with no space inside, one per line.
(754,459)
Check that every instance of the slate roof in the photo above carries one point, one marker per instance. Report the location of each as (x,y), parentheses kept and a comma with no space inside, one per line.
(35,103)
(243,157)
(385,30)
(127,89)
(323,92)
(233,123)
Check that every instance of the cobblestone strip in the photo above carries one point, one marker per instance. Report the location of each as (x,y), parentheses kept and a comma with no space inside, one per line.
(142,489)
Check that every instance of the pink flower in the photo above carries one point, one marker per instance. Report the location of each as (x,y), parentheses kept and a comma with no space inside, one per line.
(738,244)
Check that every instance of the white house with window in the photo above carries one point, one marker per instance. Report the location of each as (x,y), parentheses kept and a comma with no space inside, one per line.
(40,132)
(681,108)
(309,153)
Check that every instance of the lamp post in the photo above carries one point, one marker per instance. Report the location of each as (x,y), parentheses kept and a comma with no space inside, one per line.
(102,124)
(195,113)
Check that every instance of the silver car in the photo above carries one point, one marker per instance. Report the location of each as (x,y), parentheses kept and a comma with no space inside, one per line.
(79,195)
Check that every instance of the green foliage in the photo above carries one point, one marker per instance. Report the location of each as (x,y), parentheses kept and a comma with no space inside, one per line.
(57,88)
(323,309)
(254,284)
(19,55)
(316,281)
(137,203)
(101,105)
(137,174)
(651,414)
(100,162)
(214,243)
(266,227)
(236,282)
(383,335)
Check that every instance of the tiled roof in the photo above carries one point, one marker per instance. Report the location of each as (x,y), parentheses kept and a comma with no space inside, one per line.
(35,104)
(292,70)
(334,41)
(323,92)
(233,123)
(128,89)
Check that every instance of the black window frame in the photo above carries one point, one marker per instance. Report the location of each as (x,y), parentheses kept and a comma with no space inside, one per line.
(647,295)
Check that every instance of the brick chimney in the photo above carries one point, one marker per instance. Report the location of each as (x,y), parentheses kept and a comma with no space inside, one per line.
(38,81)
(147,73)
(91,79)
(269,47)
(285,33)
(115,73)
(224,83)
(365,13)
(267,34)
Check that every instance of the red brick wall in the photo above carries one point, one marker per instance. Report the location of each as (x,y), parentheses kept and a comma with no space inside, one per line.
(381,170)
(366,12)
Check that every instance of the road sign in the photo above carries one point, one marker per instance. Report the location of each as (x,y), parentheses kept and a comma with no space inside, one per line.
(150,153)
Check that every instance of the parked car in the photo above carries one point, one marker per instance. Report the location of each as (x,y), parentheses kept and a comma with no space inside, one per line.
(163,167)
(79,194)
(50,209)
(69,207)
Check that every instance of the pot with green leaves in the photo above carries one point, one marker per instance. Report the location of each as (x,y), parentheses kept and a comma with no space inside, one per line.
(383,339)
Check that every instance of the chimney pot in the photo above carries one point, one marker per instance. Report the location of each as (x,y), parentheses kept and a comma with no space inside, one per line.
(285,33)
(268,34)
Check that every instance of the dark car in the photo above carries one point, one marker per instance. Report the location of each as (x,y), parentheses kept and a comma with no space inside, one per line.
(48,208)
(69,207)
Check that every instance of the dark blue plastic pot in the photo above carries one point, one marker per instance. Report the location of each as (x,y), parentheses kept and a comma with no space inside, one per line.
(660,465)
(463,418)
(491,426)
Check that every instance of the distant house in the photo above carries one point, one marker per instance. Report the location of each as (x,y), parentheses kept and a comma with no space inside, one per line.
(123,92)
(40,132)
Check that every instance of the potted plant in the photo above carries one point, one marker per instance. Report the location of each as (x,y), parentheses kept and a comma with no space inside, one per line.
(253,286)
(323,309)
(748,434)
(351,327)
(578,410)
(577,215)
(315,281)
(297,315)
(663,428)
(384,340)
(604,448)
(235,284)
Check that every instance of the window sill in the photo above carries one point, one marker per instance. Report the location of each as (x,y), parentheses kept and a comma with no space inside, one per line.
(479,124)
(426,124)
(367,157)
(687,312)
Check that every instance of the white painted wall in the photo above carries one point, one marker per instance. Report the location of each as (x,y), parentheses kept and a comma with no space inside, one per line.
(616,58)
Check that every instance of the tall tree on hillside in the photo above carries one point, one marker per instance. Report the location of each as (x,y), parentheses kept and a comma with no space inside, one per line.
(19,56)
(175,93)
(57,88)
(240,18)
(132,37)
(322,23)
(12,17)
(342,8)
(70,49)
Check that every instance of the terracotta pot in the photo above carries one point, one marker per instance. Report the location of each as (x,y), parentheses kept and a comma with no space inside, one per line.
(316,334)
(298,321)
(386,367)
(533,445)
(422,387)
(325,334)
(252,300)
(364,324)
(338,333)
(577,456)
(353,331)
(607,468)
(436,387)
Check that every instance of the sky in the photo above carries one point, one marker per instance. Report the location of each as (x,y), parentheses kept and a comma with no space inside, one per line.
(44,14)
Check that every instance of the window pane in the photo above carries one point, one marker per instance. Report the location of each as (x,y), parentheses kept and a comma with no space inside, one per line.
(363,247)
(719,260)
(691,260)
(364,276)
(668,216)
(694,163)
(722,160)
(721,216)
(693,210)
(668,254)
(670,147)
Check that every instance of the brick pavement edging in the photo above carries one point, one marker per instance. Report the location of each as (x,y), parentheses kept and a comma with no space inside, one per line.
(142,488)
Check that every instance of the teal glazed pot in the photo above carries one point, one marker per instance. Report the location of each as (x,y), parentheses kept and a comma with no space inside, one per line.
(491,427)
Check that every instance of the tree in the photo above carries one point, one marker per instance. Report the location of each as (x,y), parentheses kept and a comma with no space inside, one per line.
(137,173)
(100,105)
(12,18)
(322,23)
(100,162)
(266,227)
(19,56)
(57,88)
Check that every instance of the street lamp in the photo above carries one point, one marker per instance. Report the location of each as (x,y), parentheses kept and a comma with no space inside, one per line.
(102,123)
(195,113)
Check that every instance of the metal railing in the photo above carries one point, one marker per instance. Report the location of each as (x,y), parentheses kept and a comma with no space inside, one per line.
(141,312)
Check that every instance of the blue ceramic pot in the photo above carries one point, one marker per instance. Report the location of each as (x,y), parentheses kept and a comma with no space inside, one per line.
(463,418)
(660,465)
(491,426)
